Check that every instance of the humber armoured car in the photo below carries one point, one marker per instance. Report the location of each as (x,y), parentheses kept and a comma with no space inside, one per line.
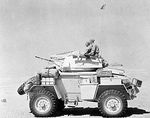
(75,79)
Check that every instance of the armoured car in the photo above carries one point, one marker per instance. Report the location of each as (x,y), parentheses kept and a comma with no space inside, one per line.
(77,79)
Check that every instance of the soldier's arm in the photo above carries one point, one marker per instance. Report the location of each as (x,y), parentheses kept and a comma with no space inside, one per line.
(92,50)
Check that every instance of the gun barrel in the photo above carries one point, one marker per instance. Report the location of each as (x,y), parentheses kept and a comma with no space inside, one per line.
(63,53)
(50,60)
(43,58)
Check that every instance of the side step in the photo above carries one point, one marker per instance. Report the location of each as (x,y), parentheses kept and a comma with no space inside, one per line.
(72,103)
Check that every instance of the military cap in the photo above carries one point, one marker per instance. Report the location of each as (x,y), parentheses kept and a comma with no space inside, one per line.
(87,43)
(91,41)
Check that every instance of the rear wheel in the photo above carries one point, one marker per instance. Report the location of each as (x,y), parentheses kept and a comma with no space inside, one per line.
(112,103)
(43,103)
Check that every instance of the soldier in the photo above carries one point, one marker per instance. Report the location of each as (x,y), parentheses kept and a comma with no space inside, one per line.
(88,50)
(93,49)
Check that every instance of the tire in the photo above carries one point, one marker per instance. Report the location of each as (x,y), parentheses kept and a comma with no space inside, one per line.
(60,105)
(112,103)
(43,103)
(21,90)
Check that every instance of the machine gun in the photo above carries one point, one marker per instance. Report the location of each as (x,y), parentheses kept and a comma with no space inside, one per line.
(49,60)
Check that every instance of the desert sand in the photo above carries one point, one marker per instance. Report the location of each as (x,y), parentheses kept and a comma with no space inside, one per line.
(17,106)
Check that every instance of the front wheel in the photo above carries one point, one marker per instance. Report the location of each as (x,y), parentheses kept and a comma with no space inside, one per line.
(43,103)
(112,103)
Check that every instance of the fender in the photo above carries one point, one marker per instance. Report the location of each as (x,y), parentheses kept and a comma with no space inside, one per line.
(102,88)
(52,88)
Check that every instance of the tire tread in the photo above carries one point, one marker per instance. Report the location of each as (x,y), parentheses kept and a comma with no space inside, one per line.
(52,98)
(110,92)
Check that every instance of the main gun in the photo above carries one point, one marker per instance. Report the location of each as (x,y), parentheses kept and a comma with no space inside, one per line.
(49,60)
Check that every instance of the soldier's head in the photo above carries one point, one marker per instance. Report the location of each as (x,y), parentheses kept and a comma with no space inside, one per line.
(91,41)
(87,44)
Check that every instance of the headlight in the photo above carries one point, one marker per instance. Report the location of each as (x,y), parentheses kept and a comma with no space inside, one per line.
(136,82)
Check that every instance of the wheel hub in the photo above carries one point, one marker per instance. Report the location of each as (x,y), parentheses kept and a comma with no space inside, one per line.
(113,105)
(42,105)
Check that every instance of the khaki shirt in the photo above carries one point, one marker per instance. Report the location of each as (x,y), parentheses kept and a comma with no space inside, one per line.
(94,50)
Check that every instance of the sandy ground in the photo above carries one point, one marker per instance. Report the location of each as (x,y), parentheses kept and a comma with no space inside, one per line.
(16,106)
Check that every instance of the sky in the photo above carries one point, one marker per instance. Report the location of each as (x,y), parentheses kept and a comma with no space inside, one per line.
(46,27)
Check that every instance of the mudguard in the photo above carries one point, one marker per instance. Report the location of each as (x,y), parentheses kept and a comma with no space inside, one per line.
(35,80)
(102,88)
